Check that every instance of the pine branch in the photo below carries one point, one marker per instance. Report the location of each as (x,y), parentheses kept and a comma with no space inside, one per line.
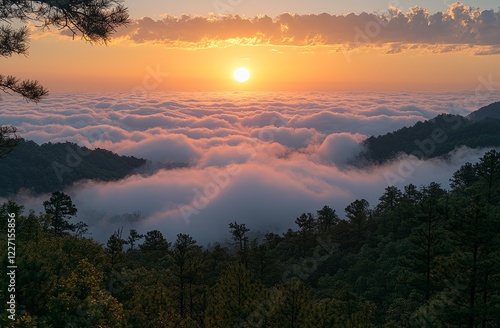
(13,41)
(29,89)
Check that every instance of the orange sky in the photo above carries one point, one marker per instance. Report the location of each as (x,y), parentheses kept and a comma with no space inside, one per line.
(73,65)
(195,61)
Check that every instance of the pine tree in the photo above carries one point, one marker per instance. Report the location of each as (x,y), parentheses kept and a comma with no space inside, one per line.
(60,209)
(233,299)
(154,241)
(184,256)
(358,214)
(292,302)
(239,235)
(327,220)
(81,302)
(388,211)
(93,20)
(428,240)
(114,249)
(473,231)
(133,237)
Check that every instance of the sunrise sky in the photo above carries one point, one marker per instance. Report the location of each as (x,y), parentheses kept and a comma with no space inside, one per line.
(389,65)
(286,45)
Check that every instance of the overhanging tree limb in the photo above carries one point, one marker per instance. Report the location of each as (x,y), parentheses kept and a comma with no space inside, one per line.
(94,20)
(29,89)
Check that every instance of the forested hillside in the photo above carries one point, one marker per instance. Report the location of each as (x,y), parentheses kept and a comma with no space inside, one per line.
(424,256)
(53,166)
(437,137)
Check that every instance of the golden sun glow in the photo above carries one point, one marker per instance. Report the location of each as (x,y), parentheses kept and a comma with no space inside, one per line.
(241,74)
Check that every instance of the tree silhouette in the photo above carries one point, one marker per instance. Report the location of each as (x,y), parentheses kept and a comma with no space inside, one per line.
(327,219)
(358,213)
(8,140)
(114,248)
(94,20)
(154,241)
(133,237)
(239,231)
(183,254)
(60,209)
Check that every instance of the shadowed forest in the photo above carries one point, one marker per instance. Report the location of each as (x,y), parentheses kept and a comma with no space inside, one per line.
(424,256)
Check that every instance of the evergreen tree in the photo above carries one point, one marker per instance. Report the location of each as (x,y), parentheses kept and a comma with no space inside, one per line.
(59,209)
(473,231)
(114,248)
(428,240)
(327,220)
(307,225)
(8,139)
(233,299)
(94,20)
(154,241)
(358,214)
(184,255)
(133,237)
(389,211)
(239,235)
(292,302)
(81,302)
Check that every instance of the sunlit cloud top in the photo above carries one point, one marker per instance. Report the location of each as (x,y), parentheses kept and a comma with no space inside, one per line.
(460,25)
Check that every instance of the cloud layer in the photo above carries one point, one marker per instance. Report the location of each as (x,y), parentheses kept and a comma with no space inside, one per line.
(457,29)
(259,158)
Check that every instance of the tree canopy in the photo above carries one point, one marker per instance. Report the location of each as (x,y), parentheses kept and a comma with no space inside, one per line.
(422,257)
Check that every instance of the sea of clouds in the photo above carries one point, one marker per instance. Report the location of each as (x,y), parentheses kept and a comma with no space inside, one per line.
(254,157)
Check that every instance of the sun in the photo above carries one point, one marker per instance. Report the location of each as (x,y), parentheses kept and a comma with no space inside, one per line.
(241,74)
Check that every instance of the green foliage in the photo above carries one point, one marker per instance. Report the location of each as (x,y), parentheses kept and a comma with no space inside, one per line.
(8,139)
(436,137)
(59,209)
(421,257)
(28,89)
(327,220)
(233,298)
(93,20)
(81,302)
(238,233)
(49,167)
(133,237)
(154,241)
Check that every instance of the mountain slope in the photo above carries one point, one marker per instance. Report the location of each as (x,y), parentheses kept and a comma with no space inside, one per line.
(490,111)
(436,137)
(52,167)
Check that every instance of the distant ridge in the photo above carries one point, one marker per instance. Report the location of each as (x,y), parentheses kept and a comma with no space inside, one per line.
(54,166)
(490,111)
(436,137)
